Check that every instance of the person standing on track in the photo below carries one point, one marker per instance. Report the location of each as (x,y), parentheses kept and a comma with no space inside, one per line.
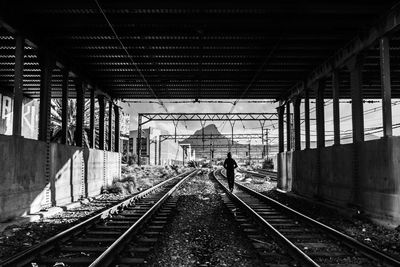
(230,166)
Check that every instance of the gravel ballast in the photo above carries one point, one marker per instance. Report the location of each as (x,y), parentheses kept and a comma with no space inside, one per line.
(202,232)
(18,237)
(377,236)
(21,236)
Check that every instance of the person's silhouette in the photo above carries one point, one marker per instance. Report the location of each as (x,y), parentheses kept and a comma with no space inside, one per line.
(230,165)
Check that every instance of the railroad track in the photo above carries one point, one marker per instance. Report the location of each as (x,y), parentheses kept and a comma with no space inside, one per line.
(122,234)
(306,240)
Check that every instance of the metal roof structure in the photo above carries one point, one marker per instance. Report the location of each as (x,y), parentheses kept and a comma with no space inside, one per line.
(187,50)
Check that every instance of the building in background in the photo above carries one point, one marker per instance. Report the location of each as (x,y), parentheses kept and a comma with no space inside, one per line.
(154,153)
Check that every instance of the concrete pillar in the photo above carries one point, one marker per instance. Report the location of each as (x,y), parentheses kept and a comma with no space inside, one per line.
(336,111)
(80,113)
(117,130)
(355,66)
(92,132)
(384,47)
(281,112)
(319,90)
(64,106)
(47,65)
(307,116)
(110,116)
(288,127)
(139,140)
(18,84)
(102,113)
(296,113)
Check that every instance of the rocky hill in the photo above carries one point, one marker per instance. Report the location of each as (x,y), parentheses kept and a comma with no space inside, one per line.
(217,137)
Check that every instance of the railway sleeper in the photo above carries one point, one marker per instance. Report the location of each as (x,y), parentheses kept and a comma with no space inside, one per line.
(261,243)
(139,247)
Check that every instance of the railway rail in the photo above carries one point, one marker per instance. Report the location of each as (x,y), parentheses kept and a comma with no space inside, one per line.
(308,241)
(102,239)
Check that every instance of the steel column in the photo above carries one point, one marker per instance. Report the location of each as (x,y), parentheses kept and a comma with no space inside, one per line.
(384,46)
(139,140)
(80,112)
(319,90)
(355,66)
(46,69)
(159,152)
(110,116)
(102,113)
(92,132)
(288,127)
(307,117)
(296,111)
(18,84)
(155,151)
(336,111)
(64,106)
(117,130)
(281,112)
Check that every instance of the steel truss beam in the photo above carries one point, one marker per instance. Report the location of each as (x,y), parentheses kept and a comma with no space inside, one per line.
(207,147)
(147,117)
(208,136)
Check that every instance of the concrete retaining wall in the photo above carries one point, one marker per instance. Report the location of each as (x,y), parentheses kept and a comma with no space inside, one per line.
(22,176)
(102,168)
(365,176)
(67,173)
(73,172)
(379,178)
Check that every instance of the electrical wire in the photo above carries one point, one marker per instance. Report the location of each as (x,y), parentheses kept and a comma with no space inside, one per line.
(129,56)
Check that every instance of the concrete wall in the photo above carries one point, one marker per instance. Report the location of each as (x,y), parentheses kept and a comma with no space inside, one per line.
(29,181)
(379,177)
(22,176)
(365,176)
(67,173)
(171,153)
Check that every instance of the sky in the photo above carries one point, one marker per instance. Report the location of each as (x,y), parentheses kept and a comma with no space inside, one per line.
(372,117)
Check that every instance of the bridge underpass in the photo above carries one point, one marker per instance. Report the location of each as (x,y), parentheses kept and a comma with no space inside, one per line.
(98,53)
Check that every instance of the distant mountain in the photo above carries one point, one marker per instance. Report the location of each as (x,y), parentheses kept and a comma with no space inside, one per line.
(212,135)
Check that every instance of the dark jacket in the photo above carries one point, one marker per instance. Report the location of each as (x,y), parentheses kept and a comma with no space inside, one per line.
(230,165)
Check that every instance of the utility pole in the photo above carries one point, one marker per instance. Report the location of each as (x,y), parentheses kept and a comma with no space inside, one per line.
(249,153)
(155,151)
(211,152)
(266,137)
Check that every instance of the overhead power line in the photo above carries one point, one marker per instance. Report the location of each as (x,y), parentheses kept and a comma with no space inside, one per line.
(129,56)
